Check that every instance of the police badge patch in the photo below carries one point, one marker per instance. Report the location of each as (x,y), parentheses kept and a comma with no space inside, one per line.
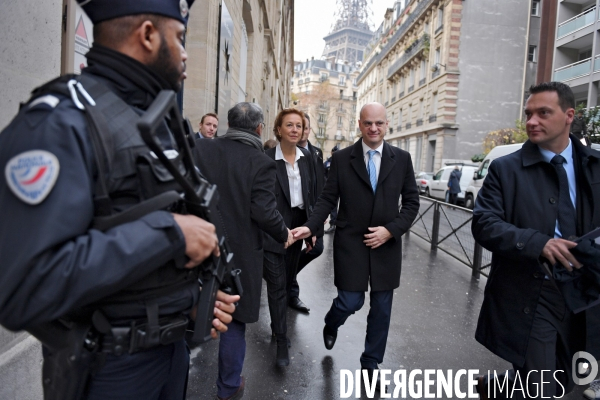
(184,8)
(32,175)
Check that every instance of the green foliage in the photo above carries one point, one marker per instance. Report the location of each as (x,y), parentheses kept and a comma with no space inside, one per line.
(592,120)
(500,137)
(478,157)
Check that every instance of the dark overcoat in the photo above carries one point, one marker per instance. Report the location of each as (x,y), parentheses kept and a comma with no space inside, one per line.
(355,264)
(245,178)
(282,194)
(514,216)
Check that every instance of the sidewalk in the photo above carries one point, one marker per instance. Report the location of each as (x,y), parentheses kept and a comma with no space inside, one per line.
(433,324)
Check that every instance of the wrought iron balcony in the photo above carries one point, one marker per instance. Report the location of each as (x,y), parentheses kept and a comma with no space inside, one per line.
(419,122)
(432,118)
(422,82)
(408,125)
(411,88)
(411,51)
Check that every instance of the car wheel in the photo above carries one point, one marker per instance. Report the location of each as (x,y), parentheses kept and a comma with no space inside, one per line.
(469,203)
(427,192)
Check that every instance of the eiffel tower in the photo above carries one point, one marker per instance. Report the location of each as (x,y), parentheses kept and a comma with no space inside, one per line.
(350,33)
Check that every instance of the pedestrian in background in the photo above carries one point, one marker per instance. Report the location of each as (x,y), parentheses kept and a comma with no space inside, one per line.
(208,126)
(454,185)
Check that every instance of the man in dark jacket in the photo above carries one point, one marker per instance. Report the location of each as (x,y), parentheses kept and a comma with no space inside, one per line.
(246,178)
(454,185)
(131,279)
(532,203)
(368,179)
(578,126)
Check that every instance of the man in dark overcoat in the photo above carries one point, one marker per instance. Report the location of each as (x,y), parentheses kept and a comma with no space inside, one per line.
(524,219)
(368,178)
(245,177)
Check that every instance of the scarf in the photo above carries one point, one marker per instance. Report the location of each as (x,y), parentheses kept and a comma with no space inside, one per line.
(244,136)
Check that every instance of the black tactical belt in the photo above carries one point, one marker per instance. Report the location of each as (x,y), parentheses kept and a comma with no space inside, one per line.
(141,336)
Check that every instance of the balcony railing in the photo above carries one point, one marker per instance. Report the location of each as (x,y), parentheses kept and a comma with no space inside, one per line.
(422,82)
(391,130)
(415,48)
(401,95)
(411,88)
(432,118)
(572,71)
(577,22)
(339,137)
(399,128)
(393,99)
(419,122)
(408,125)
(321,136)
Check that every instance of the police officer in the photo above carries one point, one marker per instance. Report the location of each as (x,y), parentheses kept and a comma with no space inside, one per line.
(63,170)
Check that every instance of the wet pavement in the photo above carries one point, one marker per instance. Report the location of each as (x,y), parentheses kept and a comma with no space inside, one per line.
(434,316)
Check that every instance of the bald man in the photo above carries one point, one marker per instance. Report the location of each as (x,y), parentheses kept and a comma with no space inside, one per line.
(368,178)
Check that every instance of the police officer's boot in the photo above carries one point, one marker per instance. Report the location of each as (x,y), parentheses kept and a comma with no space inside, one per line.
(283,357)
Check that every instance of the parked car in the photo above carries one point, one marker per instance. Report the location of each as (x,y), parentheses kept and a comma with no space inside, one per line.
(438,186)
(479,175)
(423,179)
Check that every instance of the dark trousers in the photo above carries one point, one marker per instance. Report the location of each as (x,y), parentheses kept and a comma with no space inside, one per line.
(274,275)
(378,321)
(557,334)
(452,198)
(232,350)
(305,258)
(159,373)
(292,254)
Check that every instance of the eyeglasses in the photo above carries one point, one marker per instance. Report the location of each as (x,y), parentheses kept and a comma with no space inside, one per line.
(369,124)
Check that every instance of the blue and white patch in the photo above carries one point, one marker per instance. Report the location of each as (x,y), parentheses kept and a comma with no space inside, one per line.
(32,175)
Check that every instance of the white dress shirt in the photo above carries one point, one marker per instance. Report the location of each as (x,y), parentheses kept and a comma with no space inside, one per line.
(376,157)
(293,174)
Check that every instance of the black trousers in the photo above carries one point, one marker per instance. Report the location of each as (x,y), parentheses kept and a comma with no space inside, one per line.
(292,254)
(557,334)
(305,258)
(274,274)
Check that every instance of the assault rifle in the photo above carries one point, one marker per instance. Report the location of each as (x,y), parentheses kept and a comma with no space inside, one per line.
(199,198)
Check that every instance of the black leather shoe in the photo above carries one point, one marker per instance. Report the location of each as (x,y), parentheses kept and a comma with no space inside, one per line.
(283,357)
(329,336)
(371,371)
(297,304)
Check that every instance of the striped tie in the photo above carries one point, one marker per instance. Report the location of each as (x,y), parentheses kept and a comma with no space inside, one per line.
(372,170)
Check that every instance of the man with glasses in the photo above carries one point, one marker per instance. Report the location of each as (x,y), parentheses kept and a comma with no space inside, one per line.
(368,178)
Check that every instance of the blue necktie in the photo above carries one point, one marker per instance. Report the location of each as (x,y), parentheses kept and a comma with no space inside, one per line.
(372,170)
(566,212)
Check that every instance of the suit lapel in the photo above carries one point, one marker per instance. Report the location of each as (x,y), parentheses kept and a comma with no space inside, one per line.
(357,161)
(387,163)
(283,179)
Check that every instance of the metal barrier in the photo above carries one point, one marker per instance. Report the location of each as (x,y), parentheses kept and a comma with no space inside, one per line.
(448,228)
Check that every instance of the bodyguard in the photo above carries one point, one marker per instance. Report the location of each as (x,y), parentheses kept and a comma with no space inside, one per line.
(123,292)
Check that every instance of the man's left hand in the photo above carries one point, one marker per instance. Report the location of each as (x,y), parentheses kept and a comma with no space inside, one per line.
(378,236)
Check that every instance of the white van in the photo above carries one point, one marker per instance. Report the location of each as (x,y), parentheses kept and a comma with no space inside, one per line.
(479,176)
(438,186)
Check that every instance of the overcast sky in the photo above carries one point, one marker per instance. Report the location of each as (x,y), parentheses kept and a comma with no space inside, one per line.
(313,21)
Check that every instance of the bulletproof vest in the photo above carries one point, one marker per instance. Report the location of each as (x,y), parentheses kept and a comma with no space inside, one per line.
(128,175)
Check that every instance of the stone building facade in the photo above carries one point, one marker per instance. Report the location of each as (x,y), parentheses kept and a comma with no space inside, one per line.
(326,90)
(448,72)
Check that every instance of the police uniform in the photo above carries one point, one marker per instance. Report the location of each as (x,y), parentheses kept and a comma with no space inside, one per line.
(55,264)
